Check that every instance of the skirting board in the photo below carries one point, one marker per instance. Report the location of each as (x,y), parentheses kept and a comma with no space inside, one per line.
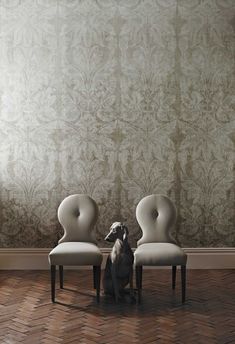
(37,258)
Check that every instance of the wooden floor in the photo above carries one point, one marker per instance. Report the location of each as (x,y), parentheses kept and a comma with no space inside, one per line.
(28,316)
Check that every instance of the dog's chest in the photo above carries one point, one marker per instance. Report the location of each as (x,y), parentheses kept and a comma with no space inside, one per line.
(121,254)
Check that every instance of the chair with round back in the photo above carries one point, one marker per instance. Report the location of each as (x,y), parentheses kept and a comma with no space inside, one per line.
(156,215)
(78,215)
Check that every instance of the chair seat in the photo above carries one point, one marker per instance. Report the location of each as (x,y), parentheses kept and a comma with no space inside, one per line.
(159,254)
(75,253)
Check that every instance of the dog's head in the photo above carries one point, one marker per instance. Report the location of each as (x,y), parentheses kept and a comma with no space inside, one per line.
(117,231)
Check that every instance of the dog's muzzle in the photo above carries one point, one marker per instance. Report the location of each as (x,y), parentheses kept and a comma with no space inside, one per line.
(108,238)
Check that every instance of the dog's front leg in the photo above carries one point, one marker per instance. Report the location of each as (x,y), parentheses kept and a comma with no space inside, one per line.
(115,282)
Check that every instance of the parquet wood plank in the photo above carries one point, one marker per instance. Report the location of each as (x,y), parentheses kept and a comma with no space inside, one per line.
(27,315)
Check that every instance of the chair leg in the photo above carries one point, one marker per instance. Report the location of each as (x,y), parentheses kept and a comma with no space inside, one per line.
(173,276)
(53,275)
(97,282)
(61,270)
(183,282)
(94,276)
(138,275)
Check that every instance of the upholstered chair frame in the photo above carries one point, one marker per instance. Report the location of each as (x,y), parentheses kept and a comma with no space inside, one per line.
(78,215)
(156,215)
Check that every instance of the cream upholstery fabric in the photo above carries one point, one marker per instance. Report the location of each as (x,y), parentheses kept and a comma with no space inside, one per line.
(159,254)
(78,215)
(156,215)
(75,253)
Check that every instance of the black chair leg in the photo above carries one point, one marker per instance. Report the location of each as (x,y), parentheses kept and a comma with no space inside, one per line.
(97,282)
(183,282)
(61,270)
(53,275)
(138,275)
(94,276)
(173,276)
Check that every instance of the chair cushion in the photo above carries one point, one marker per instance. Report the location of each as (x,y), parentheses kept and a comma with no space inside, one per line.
(159,254)
(75,253)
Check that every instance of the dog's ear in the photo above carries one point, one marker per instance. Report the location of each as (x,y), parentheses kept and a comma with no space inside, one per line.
(125,232)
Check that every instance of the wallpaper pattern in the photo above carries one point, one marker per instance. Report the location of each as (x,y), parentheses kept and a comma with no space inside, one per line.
(117,99)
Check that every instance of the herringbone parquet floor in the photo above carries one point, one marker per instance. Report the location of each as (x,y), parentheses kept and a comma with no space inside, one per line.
(27,315)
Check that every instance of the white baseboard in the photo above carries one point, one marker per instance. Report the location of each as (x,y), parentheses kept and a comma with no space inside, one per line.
(37,258)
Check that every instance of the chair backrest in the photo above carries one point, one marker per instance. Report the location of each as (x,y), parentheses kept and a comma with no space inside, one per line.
(78,215)
(156,215)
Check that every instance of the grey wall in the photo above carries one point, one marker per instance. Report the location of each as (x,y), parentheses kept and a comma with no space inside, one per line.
(117,99)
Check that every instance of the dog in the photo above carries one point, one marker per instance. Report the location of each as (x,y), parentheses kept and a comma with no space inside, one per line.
(118,271)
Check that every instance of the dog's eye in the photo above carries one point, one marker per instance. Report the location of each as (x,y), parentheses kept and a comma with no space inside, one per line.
(114,230)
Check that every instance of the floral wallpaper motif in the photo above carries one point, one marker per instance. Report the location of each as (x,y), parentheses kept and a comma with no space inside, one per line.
(118,99)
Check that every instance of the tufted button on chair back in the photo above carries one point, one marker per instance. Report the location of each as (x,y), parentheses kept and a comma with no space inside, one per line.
(156,215)
(78,215)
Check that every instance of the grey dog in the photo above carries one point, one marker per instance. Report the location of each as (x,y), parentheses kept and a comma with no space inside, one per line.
(119,265)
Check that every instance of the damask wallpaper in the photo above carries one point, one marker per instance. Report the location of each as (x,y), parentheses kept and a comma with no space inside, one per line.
(117,99)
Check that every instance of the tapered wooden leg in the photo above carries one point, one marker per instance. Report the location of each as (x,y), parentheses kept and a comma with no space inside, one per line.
(132,295)
(138,275)
(183,282)
(61,270)
(94,276)
(97,282)
(53,275)
(173,276)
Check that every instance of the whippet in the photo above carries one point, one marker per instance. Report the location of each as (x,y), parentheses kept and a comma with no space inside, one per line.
(118,271)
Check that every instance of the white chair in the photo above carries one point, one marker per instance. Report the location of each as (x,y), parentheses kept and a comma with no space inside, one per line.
(78,215)
(156,215)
